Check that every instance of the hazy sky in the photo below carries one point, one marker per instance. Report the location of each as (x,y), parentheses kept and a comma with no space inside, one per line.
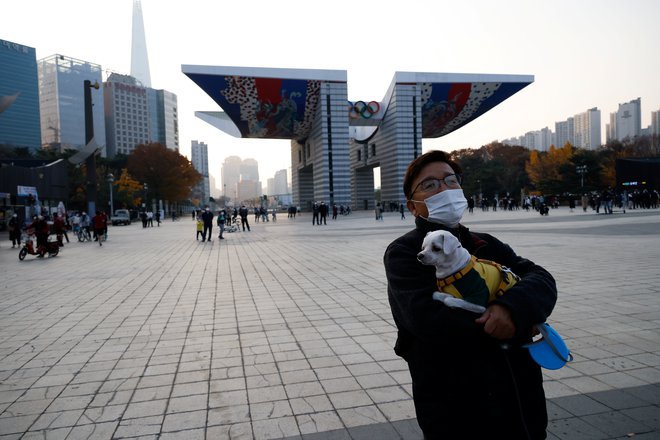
(583,53)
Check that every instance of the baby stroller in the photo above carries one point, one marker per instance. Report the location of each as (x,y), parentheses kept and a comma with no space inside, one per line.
(234,225)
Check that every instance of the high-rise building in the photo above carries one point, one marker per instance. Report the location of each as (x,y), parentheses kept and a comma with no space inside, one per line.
(247,190)
(139,56)
(163,118)
(587,129)
(655,129)
(62,102)
(281,185)
(628,120)
(231,175)
(136,115)
(126,114)
(655,123)
(564,132)
(200,161)
(19,96)
(250,170)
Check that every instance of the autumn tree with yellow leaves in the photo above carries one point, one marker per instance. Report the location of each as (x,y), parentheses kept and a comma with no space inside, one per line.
(549,171)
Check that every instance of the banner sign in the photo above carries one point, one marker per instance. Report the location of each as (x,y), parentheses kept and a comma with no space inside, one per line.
(26,191)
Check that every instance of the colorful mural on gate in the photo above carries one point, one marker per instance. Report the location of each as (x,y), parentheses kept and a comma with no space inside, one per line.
(448,106)
(278,108)
(272,108)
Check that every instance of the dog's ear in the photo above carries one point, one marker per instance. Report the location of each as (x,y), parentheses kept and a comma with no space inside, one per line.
(450,244)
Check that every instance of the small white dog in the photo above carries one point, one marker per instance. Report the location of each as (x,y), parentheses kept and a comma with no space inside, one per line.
(464,281)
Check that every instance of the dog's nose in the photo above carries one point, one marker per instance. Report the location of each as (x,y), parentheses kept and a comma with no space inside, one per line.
(420,257)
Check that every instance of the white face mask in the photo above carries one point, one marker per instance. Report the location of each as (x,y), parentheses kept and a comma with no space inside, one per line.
(446,207)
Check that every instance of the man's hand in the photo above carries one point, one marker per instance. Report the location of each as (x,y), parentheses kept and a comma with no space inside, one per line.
(497,322)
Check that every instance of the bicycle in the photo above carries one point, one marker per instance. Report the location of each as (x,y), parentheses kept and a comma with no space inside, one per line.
(84,235)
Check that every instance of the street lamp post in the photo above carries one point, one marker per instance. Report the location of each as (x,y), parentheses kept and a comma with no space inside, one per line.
(146,193)
(581,170)
(89,135)
(111,179)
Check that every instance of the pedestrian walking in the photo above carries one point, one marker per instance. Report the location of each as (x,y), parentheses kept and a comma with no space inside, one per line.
(207,218)
(199,225)
(243,212)
(222,218)
(14,227)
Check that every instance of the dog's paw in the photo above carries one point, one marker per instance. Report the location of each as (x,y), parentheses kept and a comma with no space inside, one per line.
(441,296)
(457,303)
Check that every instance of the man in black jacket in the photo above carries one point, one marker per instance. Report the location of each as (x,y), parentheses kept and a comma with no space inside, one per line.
(471,377)
(207,218)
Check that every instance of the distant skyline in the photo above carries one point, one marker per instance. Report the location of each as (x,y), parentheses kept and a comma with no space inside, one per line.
(591,53)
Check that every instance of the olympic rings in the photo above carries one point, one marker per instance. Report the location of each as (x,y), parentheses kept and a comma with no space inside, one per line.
(363,110)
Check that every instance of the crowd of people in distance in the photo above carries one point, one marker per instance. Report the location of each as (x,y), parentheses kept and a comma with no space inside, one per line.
(44,224)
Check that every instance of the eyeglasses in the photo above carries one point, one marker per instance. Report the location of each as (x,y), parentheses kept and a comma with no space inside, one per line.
(433,183)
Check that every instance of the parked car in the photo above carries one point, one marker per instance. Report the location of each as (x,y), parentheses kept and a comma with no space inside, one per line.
(121,217)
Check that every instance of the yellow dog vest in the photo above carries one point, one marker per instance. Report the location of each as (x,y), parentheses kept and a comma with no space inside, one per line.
(480,282)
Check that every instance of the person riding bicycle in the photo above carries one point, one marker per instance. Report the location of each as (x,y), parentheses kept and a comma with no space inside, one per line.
(85,221)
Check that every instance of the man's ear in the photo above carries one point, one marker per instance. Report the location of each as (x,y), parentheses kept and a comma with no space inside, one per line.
(411,207)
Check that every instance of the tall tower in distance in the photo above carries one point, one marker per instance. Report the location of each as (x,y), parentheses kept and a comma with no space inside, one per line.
(139,56)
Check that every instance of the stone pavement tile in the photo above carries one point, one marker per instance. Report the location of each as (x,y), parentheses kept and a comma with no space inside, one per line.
(575,429)
(70,403)
(619,380)
(618,399)
(319,422)
(649,415)
(275,428)
(229,415)
(59,419)
(27,407)
(303,389)
(184,421)
(237,431)
(264,380)
(50,434)
(187,403)
(387,394)
(340,384)
(108,413)
(400,410)
(188,434)
(227,398)
(189,389)
(375,380)
(267,410)
(310,404)
(145,409)
(616,424)
(408,429)
(580,405)
(136,427)
(152,393)
(16,424)
(648,393)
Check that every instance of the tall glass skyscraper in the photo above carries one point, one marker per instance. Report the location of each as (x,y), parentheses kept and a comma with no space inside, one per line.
(19,96)
(163,118)
(139,57)
(61,83)
(200,160)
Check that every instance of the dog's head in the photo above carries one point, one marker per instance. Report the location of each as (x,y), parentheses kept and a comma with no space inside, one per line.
(440,249)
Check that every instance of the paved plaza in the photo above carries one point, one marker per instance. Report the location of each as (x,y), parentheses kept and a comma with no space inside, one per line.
(285,331)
